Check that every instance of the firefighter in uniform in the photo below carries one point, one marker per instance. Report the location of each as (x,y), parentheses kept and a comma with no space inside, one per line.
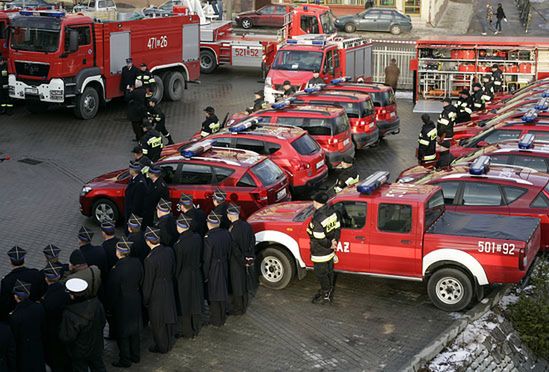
(324,230)
(479,98)
(497,77)
(288,89)
(6,107)
(316,80)
(426,152)
(137,189)
(158,189)
(145,76)
(464,106)
(136,236)
(166,223)
(151,142)
(348,175)
(51,253)
(138,157)
(158,119)
(445,131)
(259,102)
(211,124)
(488,87)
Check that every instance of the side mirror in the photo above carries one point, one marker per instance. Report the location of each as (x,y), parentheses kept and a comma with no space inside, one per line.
(482,144)
(73,41)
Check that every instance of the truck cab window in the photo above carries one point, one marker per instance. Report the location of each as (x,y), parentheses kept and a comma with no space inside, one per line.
(84,36)
(352,214)
(329,62)
(309,24)
(395,218)
(2,30)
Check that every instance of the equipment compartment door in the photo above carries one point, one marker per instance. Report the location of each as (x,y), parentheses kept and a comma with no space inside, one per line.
(119,50)
(247,55)
(191,41)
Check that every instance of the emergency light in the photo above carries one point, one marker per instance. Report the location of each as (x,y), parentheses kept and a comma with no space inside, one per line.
(373,182)
(527,141)
(245,125)
(542,104)
(282,104)
(291,41)
(42,13)
(341,80)
(306,42)
(196,149)
(530,116)
(312,89)
(480,166)
(545,94)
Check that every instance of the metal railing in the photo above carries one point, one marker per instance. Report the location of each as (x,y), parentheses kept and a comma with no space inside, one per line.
(402,51)
(525,13)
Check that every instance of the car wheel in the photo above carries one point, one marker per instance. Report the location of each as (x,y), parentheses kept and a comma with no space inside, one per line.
(246,23)
(175,84)
(349,28)
(395,29)
(450,289)
(276,268)
(104,210)
(208,62)
(87,104)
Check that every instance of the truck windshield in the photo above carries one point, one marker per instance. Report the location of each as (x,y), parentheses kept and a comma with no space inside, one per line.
(298,60)
(327,22)
(434,209)
(40,34)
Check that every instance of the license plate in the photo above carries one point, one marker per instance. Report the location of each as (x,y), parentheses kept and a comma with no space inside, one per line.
(346,142)
(393,114)
(281,194)
(31,91)
(319,164)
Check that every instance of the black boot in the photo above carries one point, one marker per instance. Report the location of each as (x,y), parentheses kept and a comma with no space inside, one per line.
(169,138)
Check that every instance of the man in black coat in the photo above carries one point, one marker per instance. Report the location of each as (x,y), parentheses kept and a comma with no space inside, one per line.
(158,118)
(219,198)
(188,256)
(93,254)
(136,236)
(166,223)
(124,299)
(217,250)
(136,191)
(51,252)
(26,322)
(109,243)
(81,328)
(127,80)
(159,293)
(136,109)
(158,189)
(243,279)
(54,302)
(138,157)
(8,357)
(193,213)
(32,276)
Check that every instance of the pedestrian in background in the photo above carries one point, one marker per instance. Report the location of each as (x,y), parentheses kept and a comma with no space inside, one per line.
(6,106)
(127,78)
(490,16)
(136,108)
(369,4)
(500,15)
(392,73)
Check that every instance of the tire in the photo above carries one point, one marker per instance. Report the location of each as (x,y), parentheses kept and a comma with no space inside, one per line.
(208,62)
(349,28)
(175,85)
(246,23)
(275,268)
(87,104)
(104,210)
(395,30)
(159,88)
(450,289)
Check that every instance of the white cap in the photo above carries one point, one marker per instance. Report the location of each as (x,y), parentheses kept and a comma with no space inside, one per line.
(76,285)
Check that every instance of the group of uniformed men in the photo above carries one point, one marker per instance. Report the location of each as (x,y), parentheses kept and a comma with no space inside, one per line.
(459,112)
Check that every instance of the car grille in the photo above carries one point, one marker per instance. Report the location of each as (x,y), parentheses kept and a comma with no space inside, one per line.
(32,69)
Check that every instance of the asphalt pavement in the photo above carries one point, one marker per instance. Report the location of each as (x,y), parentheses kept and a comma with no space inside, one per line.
(373,325)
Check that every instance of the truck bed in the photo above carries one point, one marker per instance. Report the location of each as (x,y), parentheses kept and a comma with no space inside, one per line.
(485,226)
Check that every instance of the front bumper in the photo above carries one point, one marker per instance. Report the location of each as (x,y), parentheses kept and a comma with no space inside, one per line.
(85,206)
(388,127)
(335,158)
(311,184)
(53,92)
(363,140)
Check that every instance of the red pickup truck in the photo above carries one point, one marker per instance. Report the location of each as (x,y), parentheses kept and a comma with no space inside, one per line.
(402,232)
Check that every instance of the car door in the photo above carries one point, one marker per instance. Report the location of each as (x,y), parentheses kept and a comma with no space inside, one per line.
(83,56)
(328,69)
(481,197)
(278,15)
(385,20)
(450,190)
(264,16)
(368,21)
(196,180)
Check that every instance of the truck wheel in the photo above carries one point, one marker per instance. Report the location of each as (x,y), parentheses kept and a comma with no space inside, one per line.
(87,104)
(246,23)
(276,268)
(395,29)
(158,93)
(350,28)
(104,210)
(450,289)
(175,84)
(208,62)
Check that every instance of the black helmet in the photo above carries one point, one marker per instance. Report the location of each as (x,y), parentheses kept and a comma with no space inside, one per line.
(425,118)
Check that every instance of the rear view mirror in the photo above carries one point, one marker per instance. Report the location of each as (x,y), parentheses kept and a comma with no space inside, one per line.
(73,41)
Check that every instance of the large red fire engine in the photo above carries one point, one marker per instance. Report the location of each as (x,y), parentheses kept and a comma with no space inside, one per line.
(72,60)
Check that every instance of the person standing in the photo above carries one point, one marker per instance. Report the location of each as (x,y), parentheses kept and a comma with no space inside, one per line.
(190,291)
(497,77)
(127,78)
(464,106)
(348,175)
(51,253)
(166,223)
(145,76)
(54,302)
(94,255)
(136,109)
(124,299)
(81,328)
(79,269)
(136,236)
(193,213)
(136,191)
(217,250)
(109,243)
(158,190)
(159,293)
(369,4)
(426,152)
(19,272)
(479,98)
(323,230)
(219,198)
(316,80)
(490,16)
(242,261)
(392,73)
(6,105)
(500,16)
(151,141)
(445,131)
(138,157)
(8,354)
(211,124)
(158,118)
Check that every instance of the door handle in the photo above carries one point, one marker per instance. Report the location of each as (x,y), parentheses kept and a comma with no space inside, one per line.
(405,241)
(84,61)
(360,237)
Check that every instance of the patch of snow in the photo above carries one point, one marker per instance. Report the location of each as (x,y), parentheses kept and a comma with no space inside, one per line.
(508,300)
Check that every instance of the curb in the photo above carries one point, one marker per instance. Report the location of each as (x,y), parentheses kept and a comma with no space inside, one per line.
(450,333)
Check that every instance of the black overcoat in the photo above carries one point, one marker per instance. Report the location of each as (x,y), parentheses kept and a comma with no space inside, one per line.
(242,247)
(32,276)
(188,254)
(26,322)
(217,249)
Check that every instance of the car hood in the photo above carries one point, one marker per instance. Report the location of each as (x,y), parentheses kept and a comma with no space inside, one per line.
(345,19)
(280,212)
(107,178)
(244,14)
(296,77)
(412,174)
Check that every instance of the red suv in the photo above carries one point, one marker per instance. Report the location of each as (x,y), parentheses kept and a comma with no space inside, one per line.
(291,148)
(250,180)
(328,125)
(383,96)
(359,109)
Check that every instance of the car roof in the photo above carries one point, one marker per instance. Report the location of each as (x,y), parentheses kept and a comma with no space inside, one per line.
(393,193)
(221,156)
(282,132)
(333,94)
(306,109)
(541,147)
(367,86)
(538,124)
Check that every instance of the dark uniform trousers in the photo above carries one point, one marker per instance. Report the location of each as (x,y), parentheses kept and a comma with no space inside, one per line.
(324,272)
(129,348)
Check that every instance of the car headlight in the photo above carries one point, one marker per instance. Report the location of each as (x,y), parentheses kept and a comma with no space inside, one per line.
(85,190)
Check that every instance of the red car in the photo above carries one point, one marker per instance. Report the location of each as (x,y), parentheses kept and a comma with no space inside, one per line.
(291,148)
(383,96)
(328,125)
(401,232)
(479,188)
(535,85)
(529,101)
(269,15)
(250,180)
(359,109)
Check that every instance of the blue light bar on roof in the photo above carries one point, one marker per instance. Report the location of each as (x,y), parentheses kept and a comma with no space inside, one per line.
(373,182)
(527,141)
(55,14)
(282,104)
(319,42)
(291,41)
(244,125)
(545,94)
(312,89)
(530,116)
(542,104)
(480,166)
(341,80)
(196,149)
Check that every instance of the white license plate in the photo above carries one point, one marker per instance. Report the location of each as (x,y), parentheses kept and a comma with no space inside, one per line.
(319,164)
(281,194)
(346,142)
(31,91)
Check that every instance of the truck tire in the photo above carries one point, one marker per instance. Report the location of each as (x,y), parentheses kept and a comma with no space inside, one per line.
(395,29)
(208,62)
(104,210)
(87,104)
(349,28)
(174,86)
(276,268)
(450,289)
(246,23)
(158,88)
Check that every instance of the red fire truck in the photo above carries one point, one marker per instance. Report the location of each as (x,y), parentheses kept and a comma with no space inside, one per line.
(74,61)
(333,56)
(220,45)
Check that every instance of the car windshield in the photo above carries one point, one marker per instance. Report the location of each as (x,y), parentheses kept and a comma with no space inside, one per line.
(267,172)
(318,127)
(434,209)
(304,214)
(305,145)
(327,22)
(297,60)
(383,98)
(498,119)
(472,156)
(40,34)
(472,142)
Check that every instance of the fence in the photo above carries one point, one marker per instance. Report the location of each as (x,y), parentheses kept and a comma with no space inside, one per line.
(525,14)
(403,51)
